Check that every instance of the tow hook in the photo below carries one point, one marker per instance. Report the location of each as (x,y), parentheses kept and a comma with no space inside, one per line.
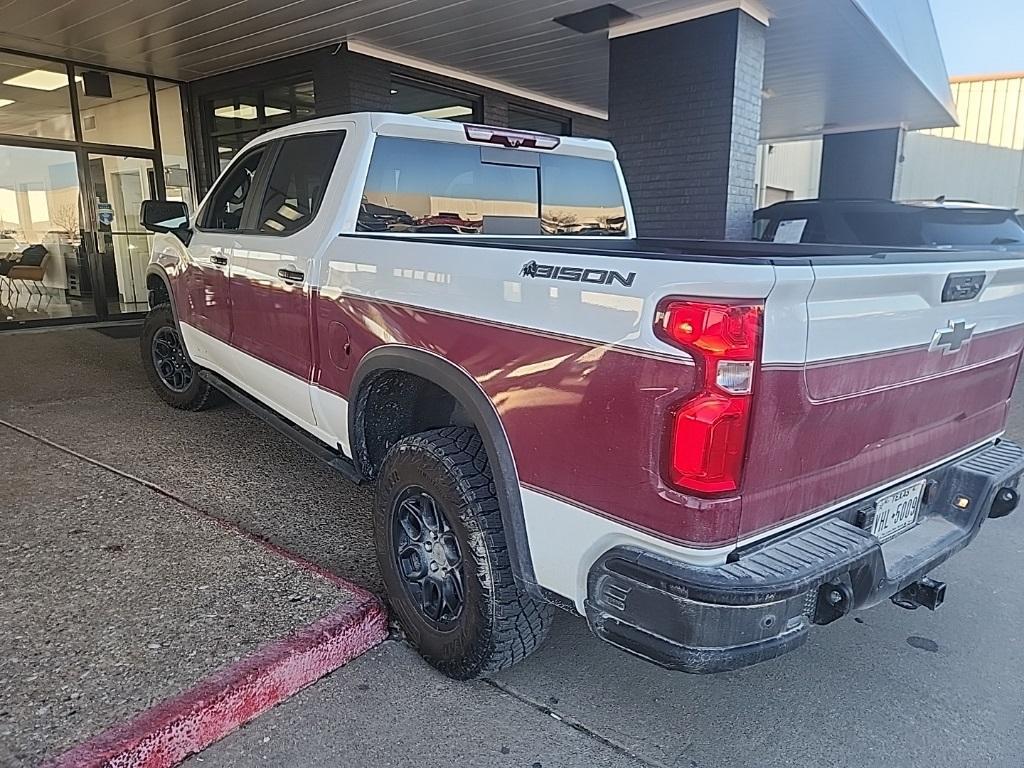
(1005,502)
(835,600)
(927,593)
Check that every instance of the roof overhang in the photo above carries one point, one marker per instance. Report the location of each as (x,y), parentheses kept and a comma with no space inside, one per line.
(831,66)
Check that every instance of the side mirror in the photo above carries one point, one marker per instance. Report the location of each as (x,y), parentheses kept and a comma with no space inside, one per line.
(167,216)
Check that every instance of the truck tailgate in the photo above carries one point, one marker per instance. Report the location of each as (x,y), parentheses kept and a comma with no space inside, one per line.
(907,362)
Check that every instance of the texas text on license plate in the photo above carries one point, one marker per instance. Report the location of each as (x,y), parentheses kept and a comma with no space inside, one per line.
(897,511)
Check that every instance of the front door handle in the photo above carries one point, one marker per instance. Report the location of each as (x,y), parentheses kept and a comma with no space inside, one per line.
(220,261)
(291,275)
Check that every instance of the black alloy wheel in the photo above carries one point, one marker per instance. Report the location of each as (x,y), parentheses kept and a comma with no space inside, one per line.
(428,557)
(170,361)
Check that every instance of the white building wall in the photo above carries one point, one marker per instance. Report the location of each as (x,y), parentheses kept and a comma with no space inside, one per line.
(788,171)
(961,170)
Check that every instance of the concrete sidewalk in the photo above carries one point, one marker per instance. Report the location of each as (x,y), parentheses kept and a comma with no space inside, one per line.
(116,598)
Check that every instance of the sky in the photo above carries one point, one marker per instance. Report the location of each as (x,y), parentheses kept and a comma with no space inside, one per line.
(981,37)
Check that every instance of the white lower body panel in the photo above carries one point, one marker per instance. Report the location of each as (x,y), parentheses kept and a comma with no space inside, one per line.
(287,394)
(566,540)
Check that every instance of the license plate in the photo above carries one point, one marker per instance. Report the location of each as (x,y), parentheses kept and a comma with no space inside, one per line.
(897,511)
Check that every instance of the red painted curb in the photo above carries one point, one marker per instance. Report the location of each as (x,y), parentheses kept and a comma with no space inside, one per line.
(166,734)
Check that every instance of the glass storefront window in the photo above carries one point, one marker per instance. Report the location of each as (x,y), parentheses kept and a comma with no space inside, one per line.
(414,98)
(541,122)
(34,98)
(177,178)
(44,268)
(114,108)
(235,120)
(284,104)
(120,184)
(234,113)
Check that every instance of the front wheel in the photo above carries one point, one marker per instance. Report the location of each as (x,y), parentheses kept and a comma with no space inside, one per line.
(443,554)
(171,372)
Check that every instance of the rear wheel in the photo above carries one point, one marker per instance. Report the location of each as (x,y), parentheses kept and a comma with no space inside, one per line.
(443,554)
(170,371)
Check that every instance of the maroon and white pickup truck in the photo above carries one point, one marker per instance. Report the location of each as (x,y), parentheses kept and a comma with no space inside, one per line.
(704,448)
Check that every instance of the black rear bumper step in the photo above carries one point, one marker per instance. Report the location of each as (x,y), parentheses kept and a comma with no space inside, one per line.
(710,619)
(319,449)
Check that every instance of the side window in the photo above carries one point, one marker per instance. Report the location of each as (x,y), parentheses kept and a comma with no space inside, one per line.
(298,182)
(416,186)
(761,227)
(580,196)
(227,204)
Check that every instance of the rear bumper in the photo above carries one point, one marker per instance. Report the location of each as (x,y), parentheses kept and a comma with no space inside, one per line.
(763,603)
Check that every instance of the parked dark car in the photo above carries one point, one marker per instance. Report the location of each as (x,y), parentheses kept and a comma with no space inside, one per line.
(884,222)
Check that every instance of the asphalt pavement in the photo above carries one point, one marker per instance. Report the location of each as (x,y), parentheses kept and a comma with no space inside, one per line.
(889,687)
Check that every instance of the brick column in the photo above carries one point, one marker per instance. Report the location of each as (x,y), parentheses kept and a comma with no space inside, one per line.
(684,105)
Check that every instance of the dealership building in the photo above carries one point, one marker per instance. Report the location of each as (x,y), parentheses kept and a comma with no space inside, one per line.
(103,105)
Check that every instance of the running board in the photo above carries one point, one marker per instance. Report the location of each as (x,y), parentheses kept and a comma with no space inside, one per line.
(320,450)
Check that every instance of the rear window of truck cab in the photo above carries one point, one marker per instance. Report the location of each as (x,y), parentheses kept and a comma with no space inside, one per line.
(429,187)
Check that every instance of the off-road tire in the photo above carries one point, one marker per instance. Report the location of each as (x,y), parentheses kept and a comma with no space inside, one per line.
(499,624)
(198,395)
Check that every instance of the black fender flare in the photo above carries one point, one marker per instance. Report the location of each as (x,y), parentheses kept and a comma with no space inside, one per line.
(480,409)
(158,271)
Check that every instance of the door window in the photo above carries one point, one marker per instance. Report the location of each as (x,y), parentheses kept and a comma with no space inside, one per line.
(227,205)
(298,182)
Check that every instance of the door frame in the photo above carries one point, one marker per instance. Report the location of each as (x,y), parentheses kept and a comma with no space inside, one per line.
(91,222)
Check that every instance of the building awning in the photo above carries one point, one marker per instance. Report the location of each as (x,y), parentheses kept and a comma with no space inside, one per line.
(831,65)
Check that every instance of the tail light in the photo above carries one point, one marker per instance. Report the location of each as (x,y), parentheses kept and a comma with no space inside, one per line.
(708,432)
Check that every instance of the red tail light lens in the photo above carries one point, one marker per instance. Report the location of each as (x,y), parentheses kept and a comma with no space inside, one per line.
(708,432)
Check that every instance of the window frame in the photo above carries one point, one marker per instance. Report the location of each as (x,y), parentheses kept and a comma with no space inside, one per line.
(476,99)
(207,119)
(269,172)
(533,159)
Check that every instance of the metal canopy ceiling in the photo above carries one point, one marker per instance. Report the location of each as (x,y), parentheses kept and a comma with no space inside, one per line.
(830,65)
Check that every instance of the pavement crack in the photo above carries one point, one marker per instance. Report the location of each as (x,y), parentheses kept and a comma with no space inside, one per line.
(573,723)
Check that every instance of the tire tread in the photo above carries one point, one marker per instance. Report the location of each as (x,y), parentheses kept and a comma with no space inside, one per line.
(519,623)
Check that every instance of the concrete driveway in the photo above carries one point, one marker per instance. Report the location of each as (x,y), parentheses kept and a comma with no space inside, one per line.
(888,688)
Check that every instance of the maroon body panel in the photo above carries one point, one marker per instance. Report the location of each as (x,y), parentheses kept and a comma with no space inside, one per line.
(807,455)
(839,378)
(207,300)
(587,421)
(271,322)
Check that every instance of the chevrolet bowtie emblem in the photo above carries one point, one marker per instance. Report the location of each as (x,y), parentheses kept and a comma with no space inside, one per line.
(952,338)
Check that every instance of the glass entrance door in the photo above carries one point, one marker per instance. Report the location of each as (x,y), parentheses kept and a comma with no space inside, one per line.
(119,185)
(44,267)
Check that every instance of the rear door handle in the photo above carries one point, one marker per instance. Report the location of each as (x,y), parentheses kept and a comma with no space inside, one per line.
(221,261)
(291,275)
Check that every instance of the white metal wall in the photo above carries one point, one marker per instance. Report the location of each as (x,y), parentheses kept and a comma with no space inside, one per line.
(991,111)
(961,170)
(981,159)
(793,166)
